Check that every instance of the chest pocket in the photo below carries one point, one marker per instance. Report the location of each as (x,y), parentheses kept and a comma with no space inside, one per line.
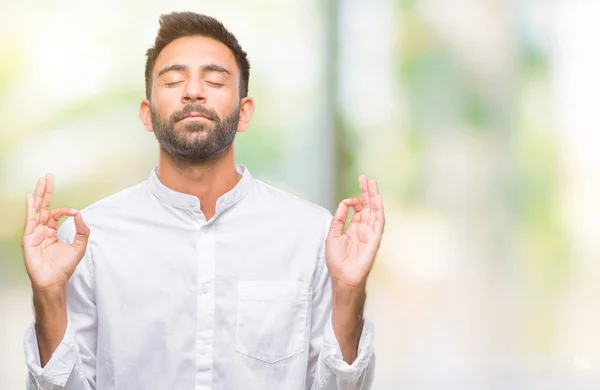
(271,319)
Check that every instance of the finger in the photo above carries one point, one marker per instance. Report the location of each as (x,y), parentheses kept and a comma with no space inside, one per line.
(373,190)
(82,233)
(39,194)
(30,214)
(339,218)
(364,190)
(377,210)
(355,203)
(379,215)
(371,217)
(47,199)
(57,214)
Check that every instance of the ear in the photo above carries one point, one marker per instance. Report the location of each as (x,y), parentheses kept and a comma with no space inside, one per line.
(246,111)
(145,116)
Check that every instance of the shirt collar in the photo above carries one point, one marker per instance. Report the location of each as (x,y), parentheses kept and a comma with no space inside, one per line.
(191,202)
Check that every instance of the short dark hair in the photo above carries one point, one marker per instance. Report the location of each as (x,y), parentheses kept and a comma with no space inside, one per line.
(184,24)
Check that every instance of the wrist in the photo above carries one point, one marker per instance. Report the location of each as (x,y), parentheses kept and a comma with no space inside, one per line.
(54,293)
(343,292)
(348,302)
(50,304)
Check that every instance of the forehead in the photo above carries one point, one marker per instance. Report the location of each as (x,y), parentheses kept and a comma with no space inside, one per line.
(194,52)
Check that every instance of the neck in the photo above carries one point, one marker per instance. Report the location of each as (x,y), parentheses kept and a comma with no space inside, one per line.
(207,181)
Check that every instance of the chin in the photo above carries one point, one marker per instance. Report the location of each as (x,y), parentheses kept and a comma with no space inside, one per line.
(195,126)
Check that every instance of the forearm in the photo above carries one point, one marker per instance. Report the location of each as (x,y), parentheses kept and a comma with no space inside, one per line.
(50,320)
(347,317)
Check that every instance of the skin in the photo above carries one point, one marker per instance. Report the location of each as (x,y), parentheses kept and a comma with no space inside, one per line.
(198,70)
(196,85)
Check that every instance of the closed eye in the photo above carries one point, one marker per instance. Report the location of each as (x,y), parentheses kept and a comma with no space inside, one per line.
(173,83)
(213,84)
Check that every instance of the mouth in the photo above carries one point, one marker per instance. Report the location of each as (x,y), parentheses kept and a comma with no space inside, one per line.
(195,117)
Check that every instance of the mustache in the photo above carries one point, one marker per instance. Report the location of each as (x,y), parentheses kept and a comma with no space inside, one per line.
(200,109)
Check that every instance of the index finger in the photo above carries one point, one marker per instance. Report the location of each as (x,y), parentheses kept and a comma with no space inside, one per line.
(57,214)
(336,228)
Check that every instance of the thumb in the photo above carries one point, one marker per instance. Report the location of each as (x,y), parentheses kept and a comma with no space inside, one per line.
(82,233)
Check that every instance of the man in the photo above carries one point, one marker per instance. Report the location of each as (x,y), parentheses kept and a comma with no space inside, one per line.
(200,277)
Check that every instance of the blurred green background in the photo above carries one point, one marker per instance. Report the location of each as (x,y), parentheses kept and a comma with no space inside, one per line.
(479,118)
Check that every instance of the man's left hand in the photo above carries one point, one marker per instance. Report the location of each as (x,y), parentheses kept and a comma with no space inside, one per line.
(350,254)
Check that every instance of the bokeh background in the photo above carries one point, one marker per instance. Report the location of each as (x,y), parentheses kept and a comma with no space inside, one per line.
(479,118)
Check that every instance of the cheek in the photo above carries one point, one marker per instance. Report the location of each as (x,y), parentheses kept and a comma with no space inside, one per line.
(164,103)
(224,102)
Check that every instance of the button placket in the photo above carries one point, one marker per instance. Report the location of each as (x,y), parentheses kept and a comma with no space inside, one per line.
(205,306)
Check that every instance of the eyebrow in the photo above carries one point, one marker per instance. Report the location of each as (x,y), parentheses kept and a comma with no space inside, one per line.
(205,68)
(215,68)
(171,68)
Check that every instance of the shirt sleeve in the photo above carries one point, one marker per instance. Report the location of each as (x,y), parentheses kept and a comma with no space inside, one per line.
(73,363)
(326,368)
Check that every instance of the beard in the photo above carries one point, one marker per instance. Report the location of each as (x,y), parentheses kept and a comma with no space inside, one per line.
(195,142)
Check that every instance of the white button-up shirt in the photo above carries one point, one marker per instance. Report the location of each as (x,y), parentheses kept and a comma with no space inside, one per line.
(164,299)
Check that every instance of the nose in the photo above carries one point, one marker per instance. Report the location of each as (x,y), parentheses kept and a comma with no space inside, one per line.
(194,92)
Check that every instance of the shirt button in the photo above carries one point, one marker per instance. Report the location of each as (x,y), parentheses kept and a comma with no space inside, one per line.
(204,289)
(205,230)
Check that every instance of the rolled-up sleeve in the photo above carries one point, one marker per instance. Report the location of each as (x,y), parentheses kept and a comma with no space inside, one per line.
(357,375)
(72,365)
(58,369)
(326,368)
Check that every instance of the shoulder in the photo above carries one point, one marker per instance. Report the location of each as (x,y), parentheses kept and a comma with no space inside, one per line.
(290,206)
(95,213)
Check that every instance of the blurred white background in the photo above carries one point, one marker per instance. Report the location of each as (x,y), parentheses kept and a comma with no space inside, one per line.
(479,118)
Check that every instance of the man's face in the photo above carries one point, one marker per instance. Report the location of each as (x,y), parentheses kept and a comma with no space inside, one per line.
(195,103)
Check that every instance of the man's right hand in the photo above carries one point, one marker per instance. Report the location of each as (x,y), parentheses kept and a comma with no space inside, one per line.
(50,263)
